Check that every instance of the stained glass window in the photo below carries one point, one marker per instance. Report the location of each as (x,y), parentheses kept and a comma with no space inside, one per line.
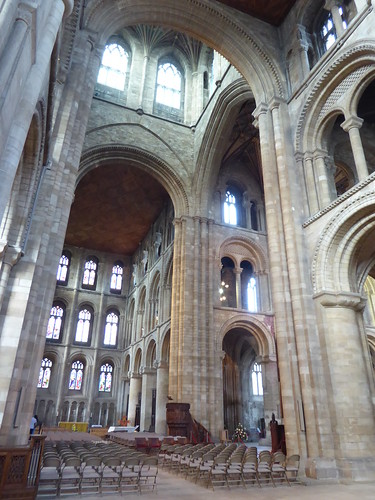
(55,322)
(112,71)
(83,326)
(44,373)
(116,277)
(111,327)
(76,376)
(90,273)
(105,378)
(63,269)
(230,210)
(168,88)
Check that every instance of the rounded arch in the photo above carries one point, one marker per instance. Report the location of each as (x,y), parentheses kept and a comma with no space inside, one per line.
(239,249)
(137,361)
(345,252)
(165,345)
(228,37)
(350,68)
(265,341)
(212,151)
(150,354)
(102,155)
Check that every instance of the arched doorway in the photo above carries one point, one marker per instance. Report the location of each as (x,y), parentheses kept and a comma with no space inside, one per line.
(250,384)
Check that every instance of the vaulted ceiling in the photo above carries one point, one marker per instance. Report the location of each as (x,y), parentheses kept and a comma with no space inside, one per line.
(115,207)
(271,11)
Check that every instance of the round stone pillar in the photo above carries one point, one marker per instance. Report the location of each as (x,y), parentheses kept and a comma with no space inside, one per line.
(162,379)
(134,390)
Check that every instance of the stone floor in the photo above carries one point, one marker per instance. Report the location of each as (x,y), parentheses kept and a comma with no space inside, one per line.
(171,487)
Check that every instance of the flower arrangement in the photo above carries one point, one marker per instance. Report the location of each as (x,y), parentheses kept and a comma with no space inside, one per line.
(239,433)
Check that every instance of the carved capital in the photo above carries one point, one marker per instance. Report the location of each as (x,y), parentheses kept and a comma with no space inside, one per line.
(347,300)
(352,122)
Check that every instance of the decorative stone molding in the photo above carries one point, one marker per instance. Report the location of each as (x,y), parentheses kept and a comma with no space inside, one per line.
(93,20)
(352,54)
(335,229)
(341,299)
(96,156)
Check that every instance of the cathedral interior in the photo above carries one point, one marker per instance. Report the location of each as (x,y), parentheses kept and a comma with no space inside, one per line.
(187,214)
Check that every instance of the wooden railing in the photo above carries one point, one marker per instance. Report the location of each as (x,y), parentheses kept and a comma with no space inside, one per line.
(20,469)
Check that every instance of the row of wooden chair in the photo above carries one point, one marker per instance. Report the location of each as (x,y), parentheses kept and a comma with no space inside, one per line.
(230,465)
(95,468)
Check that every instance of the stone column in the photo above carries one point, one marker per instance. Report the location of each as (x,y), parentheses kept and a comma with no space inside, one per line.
(134,389)
(15,136)
(352,126)
(351,406)
(271,393)
(237,273)
(303,52)
(308,164)
(146,58)
(10,258)
(321,178)
(148,383)
(333,7)
(162,379)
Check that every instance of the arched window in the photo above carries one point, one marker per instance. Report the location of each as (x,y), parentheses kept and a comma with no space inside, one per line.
(90,273)
(55,322)
(252,295)
(168,85)
(63,269)
(231,205)
(111,328)
(327,31)
(256,379)
(84,326)
(116,277)
(76,376)
(45,373)
(113,68)
(227,290)
(248,287)
(105,378)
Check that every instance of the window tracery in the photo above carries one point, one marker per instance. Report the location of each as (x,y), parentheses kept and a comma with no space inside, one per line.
(83,329)
(76,376)
(117,277)
(90,273)
(256,379)
(168,85)
(63,269)
(111,329)
(55,322)
(105,378)
(112,72)
(45,373)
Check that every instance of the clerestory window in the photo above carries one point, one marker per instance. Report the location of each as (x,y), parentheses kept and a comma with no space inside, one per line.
(168,85)
(90,273)
(84,326)
(116,277)
(55,322)
(63,269)
(112,72)
(111,329)
(230,208)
